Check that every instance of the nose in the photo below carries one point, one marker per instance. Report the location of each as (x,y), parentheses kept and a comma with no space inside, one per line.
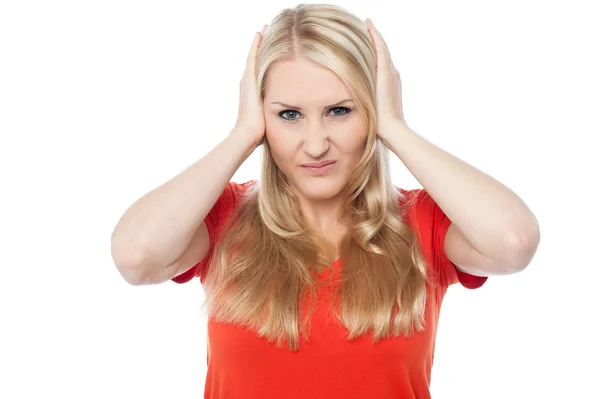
(316,141)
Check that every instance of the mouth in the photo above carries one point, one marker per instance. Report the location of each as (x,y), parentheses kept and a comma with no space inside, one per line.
(319,168)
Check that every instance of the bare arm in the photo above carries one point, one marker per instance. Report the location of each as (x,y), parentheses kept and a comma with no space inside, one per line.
(493,231)
(163,233)
(156,231)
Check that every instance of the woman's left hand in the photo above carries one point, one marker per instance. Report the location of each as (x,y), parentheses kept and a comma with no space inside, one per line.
(388,87)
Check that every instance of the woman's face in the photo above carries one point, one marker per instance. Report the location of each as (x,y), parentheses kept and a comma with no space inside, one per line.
(315,134)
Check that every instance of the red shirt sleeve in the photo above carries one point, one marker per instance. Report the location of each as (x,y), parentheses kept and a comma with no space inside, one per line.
(432,225)
(226,203)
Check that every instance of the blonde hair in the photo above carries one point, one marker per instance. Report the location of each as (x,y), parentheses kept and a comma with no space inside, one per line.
(263,265)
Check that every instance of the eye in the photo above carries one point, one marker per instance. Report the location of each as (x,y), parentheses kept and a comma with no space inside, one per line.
(287,112)
(345,110)
(292,115)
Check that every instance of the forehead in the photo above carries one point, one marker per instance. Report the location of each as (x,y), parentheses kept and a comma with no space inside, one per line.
(303,81)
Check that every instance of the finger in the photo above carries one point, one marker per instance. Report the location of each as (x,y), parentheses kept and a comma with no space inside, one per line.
(382,40)
(251,60)
(380,47)
(383,53)
(384,46)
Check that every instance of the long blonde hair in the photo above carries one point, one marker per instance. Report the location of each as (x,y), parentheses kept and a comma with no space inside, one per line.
(264,263)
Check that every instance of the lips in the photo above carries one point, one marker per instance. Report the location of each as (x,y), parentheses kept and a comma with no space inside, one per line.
(318,168)
(317,164)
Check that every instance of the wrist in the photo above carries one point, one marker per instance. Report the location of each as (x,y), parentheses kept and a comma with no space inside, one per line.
(393,131)
(243,140)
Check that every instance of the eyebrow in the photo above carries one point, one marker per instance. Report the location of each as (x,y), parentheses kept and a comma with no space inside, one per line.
(326,107)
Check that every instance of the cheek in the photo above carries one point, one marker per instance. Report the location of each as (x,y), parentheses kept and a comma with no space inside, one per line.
(271,135)
(351,142)
(281,147)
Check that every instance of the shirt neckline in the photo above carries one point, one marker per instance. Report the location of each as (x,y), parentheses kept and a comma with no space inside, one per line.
(334,266)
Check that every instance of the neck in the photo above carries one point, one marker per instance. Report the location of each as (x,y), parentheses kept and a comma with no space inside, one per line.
(323,216)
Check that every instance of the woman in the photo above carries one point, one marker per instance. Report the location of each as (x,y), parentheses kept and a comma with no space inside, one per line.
(322,279)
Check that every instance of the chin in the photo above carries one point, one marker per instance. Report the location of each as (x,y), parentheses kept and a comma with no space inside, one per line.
(320,188)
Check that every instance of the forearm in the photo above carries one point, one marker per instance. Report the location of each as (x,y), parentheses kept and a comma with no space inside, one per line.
(158,227)
(493,218)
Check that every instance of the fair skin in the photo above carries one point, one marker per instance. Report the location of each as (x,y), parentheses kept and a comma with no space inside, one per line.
(163,233)
(493,231)
(307,122)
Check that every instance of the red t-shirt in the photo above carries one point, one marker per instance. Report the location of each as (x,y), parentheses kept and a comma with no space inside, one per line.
(243,365)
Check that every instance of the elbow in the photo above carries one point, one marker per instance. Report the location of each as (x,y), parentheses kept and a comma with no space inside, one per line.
(521,248)
(133,276)
(129,264)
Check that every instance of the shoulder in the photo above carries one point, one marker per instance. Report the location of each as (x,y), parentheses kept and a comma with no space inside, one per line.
(234,192)
(413,195)
(230,198)
(431,224)
(239,189)
(417,205)
(423,215)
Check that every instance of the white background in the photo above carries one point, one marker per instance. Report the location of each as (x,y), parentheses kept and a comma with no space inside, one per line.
(102,101)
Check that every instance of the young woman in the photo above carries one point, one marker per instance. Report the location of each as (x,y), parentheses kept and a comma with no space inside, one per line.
(322,279)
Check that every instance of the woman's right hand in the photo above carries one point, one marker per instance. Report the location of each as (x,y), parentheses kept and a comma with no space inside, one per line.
(251,119)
